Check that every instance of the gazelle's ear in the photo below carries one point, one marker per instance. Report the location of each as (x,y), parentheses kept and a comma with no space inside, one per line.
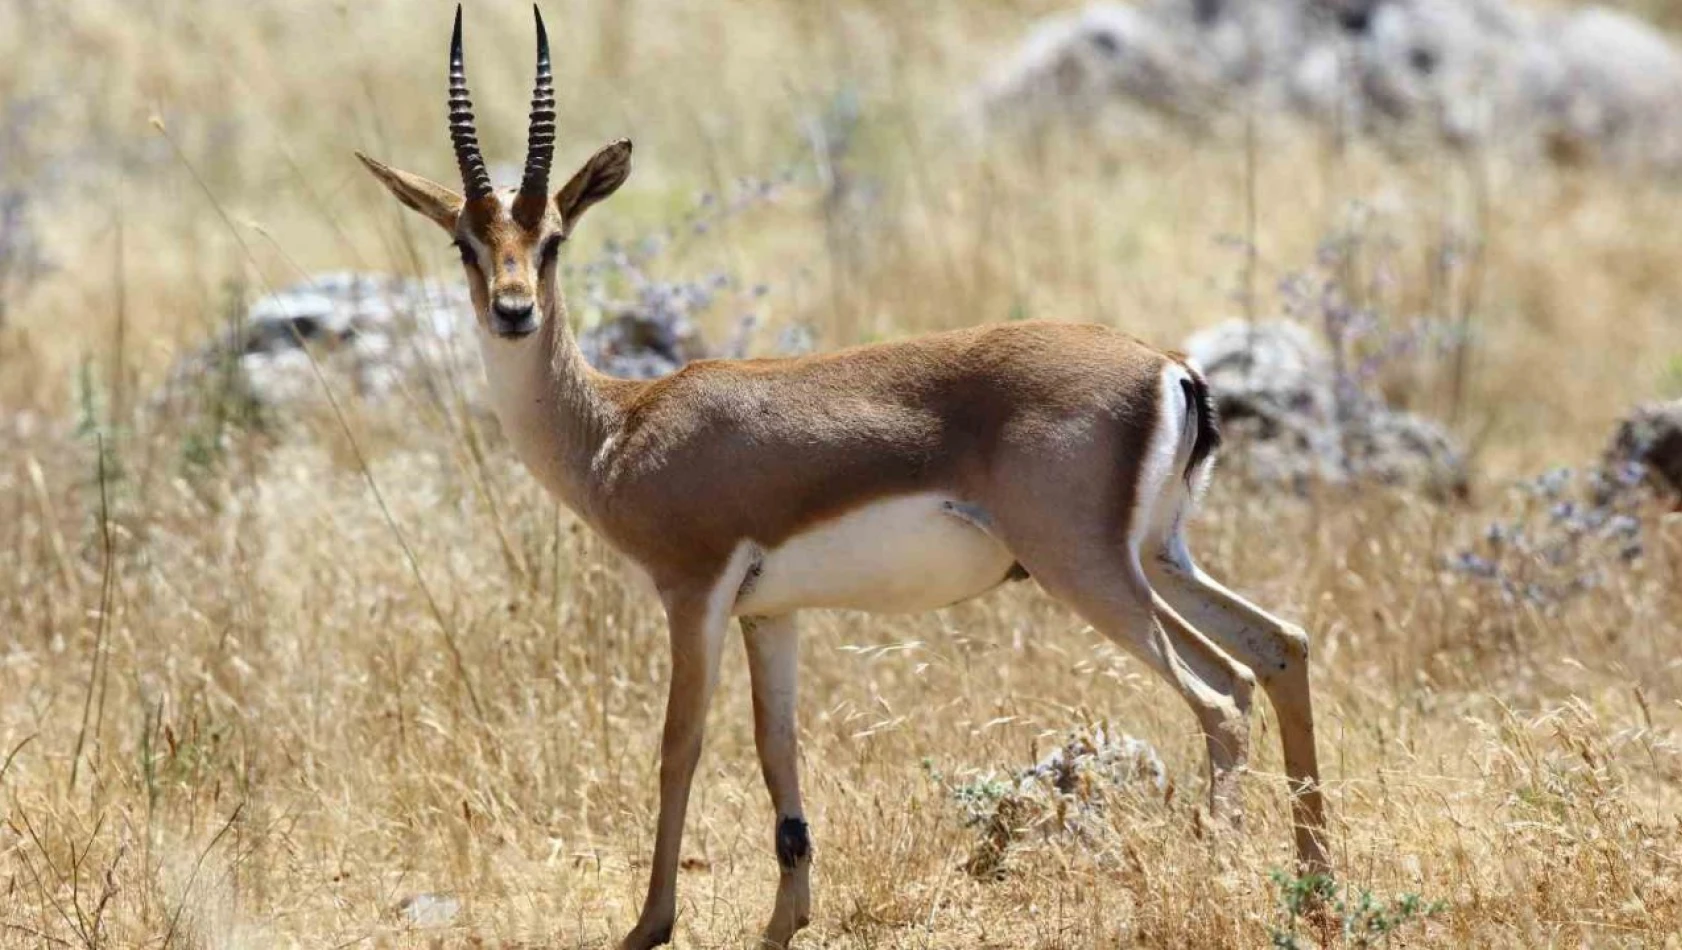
(601,176)
(424,195)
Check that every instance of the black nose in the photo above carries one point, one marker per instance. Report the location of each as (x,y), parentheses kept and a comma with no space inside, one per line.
(513,312)
(513,318)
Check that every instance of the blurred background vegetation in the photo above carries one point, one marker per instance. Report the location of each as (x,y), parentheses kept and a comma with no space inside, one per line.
(128,129)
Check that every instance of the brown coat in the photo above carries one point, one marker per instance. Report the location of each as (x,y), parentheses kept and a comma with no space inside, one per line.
(760,450)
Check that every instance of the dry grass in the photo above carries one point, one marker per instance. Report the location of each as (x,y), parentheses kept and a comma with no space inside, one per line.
(233,715)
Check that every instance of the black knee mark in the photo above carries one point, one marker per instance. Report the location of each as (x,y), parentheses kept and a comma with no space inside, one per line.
(661,937)
(794,844)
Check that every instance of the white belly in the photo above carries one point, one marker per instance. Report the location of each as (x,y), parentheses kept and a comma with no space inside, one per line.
(898,555)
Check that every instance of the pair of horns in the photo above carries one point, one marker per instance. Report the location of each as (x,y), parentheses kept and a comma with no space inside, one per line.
(540,130)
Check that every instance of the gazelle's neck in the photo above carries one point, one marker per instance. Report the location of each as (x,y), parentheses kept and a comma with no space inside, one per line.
(551,404)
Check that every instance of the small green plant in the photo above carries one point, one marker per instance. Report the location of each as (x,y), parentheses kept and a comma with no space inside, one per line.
(95,426)
(980,797)
(1670,378)
(219,398)
(1312,903)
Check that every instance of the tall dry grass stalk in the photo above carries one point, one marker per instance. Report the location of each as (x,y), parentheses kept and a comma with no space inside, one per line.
(262,695)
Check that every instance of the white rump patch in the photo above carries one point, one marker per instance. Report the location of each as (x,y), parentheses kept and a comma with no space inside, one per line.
(1161,490)
(898,555)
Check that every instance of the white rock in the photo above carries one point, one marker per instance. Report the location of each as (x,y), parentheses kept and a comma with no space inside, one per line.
(428,910)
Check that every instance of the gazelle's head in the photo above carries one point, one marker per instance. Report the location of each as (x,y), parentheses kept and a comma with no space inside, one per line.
(509,241)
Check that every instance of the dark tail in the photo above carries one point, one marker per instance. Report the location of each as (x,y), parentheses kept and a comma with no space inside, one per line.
(1208,428)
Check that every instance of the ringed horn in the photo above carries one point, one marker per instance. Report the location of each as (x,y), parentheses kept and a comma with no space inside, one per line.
(540,134)
(474,178)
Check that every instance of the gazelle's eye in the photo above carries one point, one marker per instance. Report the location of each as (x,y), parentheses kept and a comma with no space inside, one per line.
(551,249)
(465,250)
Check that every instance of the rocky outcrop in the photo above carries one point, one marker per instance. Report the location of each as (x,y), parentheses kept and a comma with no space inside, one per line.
(370,334)
(1650,438)
(372,337)
(1579,84)
(1289,421)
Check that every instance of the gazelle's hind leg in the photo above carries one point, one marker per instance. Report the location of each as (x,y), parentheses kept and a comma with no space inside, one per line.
(1278,654)
(1112,593)
(1083,544)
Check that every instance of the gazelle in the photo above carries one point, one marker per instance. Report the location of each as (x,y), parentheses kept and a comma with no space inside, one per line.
(894,477)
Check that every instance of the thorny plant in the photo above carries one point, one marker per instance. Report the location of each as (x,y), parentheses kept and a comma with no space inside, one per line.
(1359,918)
(620,283)
(1563,531)
(1373,354)
(1063,795)
(1562,534)
(1349,299)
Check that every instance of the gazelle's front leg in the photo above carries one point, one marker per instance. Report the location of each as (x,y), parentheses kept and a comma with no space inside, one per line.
(773,649)
(697,621)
